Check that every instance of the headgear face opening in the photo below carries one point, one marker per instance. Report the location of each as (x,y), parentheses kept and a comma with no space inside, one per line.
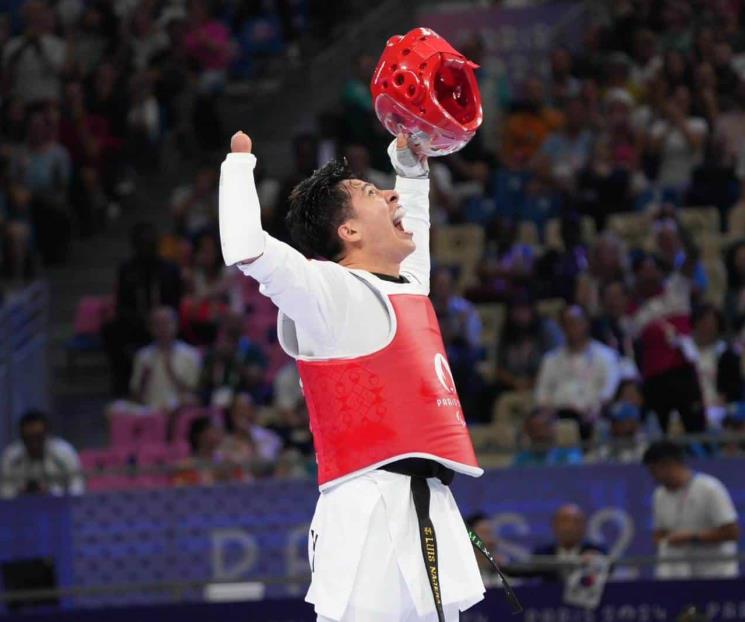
(426,89)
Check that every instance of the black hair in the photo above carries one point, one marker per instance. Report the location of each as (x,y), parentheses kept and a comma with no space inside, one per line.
(663,451)
(33,416)
(474,519)
(196,429)
(702,310)
(318,205)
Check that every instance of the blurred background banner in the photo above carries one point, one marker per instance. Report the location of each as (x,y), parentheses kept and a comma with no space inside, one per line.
(517,39)
(240,533)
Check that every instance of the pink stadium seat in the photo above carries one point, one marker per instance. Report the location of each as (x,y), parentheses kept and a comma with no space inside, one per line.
(129,430)
(94,461)
(91,313)
(150,456)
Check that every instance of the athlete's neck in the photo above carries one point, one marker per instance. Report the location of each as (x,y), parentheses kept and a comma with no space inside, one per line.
(376,267)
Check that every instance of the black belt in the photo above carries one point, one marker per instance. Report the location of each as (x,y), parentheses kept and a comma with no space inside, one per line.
(419,469)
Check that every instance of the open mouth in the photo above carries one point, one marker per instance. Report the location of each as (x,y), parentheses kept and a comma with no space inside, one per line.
(398,217)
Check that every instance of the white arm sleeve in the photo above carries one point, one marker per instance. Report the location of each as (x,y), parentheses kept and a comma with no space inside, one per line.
(414,198)
(313,294)
(241,235)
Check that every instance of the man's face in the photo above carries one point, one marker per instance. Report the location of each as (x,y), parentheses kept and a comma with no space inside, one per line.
(569,526)
(375,225)
(34,436)
(163,325)
(576,327)
(615,300)
(665,473)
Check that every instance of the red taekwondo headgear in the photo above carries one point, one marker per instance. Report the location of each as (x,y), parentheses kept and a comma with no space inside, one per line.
(425,88)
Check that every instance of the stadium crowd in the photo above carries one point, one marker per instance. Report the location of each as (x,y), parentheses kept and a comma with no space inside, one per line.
(589,243)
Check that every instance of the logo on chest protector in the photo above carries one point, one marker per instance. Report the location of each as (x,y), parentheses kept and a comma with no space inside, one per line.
(445,376)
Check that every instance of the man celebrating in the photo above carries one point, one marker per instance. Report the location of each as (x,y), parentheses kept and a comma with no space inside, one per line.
(387,541)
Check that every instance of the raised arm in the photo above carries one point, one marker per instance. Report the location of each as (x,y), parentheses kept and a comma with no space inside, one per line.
(412,185)
(311,293)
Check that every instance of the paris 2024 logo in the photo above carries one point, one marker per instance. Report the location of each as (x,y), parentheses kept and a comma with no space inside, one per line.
(445,376)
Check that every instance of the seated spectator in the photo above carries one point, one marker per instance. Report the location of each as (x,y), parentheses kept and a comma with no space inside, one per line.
(166,372)
(627,441)
(677,140)
(579,378)
(207,284)
(43,166)
(194,206)
(144,282)
(613,325)
(540,432)
(358,158)
(567,151)
(246,440)
(606,262)
(232,365)
(292,427)
(528,124)
(524,340)
(670,249)
(711,357)
(507,264)
(734,424)
(482,527)
(286,388)
(693,516)
(570,543)
(39,463)
(557,271)
(206,464)
(461,333)
(734,300)
(660,316)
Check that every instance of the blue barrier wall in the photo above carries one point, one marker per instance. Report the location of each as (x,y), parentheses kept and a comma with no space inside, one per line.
(638,601)
(242,532)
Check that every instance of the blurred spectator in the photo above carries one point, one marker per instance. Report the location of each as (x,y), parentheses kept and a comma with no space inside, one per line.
(18,263)
(524,339)
(207,285)
(570,543)
(206,465)
(43,166)
(541,449)
(558,270)
(734,300)
(563,85)
(506,266)
(246,440)
(613,325)
(627,441)
(579,378)
(35,61)
(677,140)
(358,158)
(670,248)
(693,516)
(166,372)
(143,123)
(194,206)
(233,364)
(143,282)
(567,151)
(39,463)
(660,316)
(528,125)
(484,529)
(707,351)
(734,423)
(461,333)
(292,427)
(606,263)
(286,388)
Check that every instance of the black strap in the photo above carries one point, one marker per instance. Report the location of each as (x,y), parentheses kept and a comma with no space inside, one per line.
(508,591)
(420,494)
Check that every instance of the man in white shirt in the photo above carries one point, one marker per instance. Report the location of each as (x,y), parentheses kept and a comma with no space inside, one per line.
(40,464)
(166,372)
(579,378)
(693,517)
(387,424)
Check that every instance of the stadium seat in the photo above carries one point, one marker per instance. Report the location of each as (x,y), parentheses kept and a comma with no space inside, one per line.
(512,407)
(492,319)
(736,222)
(129,430)
(717,276)
(527,233)
(567,433)
(700,221)
(150,456)
(94,461)
(632,228)
(551,308)
(91,313)
(460,246)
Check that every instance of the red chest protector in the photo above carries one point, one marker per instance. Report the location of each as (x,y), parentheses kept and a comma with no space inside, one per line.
(397,402)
